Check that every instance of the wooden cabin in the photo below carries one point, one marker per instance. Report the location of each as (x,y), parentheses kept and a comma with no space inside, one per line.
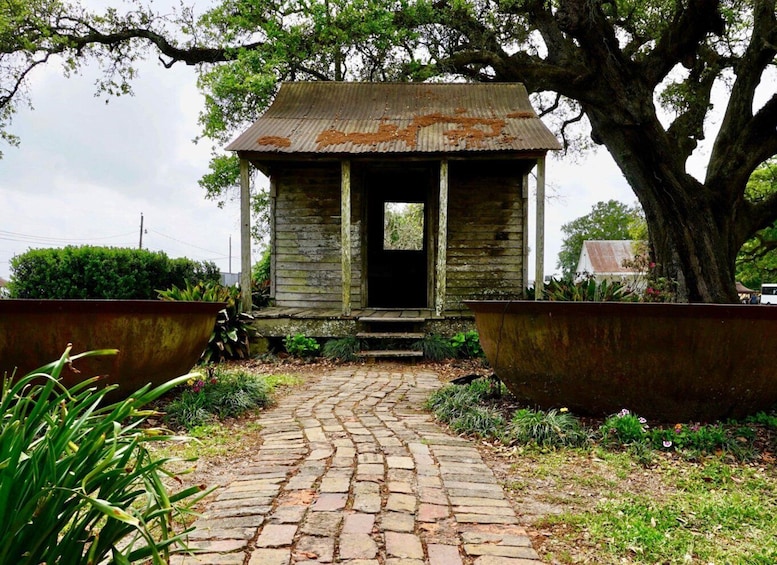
(347,162)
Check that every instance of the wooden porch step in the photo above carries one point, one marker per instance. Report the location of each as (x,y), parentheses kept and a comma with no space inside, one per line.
(392,320)
(390,353)
(390,335)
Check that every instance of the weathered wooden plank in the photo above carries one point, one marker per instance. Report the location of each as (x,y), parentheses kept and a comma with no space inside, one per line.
(304,301)
(539,239)
(442,240)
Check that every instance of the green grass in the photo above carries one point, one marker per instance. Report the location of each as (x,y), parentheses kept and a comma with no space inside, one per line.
(729,525)
(632,491)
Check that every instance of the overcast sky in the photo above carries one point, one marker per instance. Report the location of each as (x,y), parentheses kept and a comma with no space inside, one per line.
(86,170)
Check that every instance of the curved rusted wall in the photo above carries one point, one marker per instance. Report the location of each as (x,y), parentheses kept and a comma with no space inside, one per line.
(157,340)
(669,362)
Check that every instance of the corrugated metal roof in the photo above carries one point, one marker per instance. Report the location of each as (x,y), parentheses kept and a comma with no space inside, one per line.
(607,256)
(379,117)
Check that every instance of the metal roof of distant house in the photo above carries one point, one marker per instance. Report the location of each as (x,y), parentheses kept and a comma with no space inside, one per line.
(379,117)
(607,256)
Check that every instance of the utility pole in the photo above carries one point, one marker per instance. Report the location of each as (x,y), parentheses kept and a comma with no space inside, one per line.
(140,245)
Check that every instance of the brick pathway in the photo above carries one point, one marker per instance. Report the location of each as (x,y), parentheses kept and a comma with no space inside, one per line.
(353,470)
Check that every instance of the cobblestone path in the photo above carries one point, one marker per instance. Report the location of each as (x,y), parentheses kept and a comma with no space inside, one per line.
(353,470)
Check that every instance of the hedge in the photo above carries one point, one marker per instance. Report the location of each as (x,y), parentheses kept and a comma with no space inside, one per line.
(102,273)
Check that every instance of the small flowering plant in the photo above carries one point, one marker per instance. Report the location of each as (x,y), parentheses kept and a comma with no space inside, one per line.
(693,437)
(624,428)
(651,284)
(198,382)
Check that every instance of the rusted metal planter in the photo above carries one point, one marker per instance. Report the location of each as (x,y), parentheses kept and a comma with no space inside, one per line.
(667,362)
(157,340)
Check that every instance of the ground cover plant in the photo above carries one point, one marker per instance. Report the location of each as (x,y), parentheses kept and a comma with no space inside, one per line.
(78,482)
(219,393)
(622,489)
(301,346)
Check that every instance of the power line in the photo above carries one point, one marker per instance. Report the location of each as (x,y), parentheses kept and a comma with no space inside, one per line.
(32,238)
(182,242)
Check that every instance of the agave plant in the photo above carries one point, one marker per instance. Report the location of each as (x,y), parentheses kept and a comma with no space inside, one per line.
(231,333)
(588,289)
(77,482)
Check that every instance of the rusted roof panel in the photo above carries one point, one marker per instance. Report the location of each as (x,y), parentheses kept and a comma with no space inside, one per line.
(375,117)
(607,256)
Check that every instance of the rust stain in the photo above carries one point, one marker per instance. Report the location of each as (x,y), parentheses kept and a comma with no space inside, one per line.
(469,129)
(524,115)
(274,140)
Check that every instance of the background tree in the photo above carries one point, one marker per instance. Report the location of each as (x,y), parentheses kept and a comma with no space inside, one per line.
(757,260)
(607,220)
(403,226)
(639,75)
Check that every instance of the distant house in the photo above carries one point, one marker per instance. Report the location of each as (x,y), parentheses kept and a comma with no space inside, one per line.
(345,159)
(606,259)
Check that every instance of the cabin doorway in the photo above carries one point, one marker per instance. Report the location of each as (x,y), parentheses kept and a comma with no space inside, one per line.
(397,239)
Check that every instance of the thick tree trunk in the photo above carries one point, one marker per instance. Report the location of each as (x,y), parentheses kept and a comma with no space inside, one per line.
(690,228)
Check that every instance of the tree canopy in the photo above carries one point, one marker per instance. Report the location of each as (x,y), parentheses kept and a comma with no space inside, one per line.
(757,260)
(640,77)
(606,220)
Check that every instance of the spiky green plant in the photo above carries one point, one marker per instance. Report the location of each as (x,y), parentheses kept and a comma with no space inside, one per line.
(344,349)
(78,484)
(220,394)
(232,330)
(554,428)
(435,347)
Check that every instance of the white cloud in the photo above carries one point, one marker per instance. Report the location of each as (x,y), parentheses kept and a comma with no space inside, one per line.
(86,170)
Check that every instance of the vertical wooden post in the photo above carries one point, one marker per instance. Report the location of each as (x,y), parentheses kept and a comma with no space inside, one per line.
(345,233)
(442,241)
(273,237)
(539,271)
(245,235)
(525,228)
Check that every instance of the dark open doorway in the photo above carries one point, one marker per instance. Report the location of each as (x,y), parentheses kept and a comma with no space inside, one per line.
(397,246)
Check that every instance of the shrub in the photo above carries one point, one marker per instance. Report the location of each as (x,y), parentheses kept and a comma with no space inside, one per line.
(554,428)
(467,345)
(300,346)
(219,395)
(77,482)
(344,349)
(89,272)
(232,331)
(435,347)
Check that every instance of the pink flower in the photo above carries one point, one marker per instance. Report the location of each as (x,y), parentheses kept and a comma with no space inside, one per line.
(667,443)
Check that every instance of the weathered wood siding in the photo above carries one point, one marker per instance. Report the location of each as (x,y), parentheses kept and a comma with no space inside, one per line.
(485,232)
(307,237)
